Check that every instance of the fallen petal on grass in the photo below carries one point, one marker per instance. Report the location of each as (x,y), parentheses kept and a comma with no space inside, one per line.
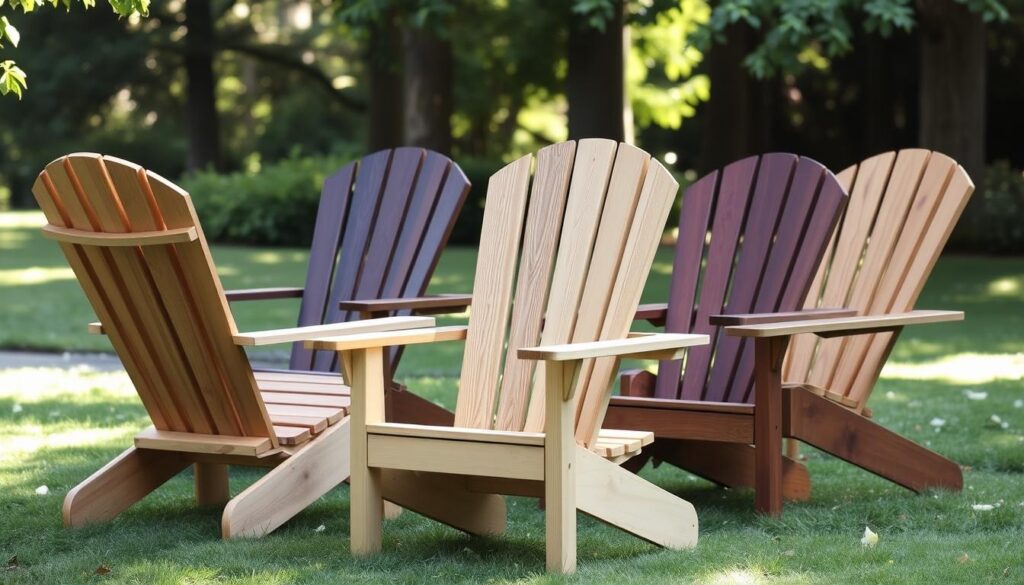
(42,490)
(982,507)
(975,395)
(16,408)
(870,538)
(938,422)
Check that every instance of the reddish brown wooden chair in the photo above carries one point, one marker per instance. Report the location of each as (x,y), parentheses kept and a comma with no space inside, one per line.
(380,229)
(724,414)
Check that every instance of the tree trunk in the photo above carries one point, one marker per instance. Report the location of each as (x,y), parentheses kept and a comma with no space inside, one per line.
(595,81)
(737,120)
(428,90)
(202,121)
(952,88)
(383,60)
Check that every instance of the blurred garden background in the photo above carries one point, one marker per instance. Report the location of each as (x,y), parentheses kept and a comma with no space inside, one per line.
(249,104)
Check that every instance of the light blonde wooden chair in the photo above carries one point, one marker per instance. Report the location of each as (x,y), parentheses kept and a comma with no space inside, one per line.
(138,251)
(562,268)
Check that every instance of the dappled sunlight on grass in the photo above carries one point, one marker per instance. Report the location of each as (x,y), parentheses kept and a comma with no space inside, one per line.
(1006,287)
(22,219)
(961,368)
(35,275)
(32,438)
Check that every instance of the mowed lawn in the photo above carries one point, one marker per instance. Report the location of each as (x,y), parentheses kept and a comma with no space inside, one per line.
(956,387)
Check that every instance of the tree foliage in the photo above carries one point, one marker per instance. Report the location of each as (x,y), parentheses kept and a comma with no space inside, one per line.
(14,80)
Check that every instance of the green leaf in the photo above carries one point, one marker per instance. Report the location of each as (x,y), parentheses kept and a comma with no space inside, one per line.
(7,29)
(12,80)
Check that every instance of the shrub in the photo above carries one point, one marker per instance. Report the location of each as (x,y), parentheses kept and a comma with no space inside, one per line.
(275,206)
(991,223)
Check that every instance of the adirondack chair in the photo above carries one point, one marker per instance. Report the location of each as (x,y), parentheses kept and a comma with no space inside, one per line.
(593,223)
(724,418)
(136,247)
(380,229)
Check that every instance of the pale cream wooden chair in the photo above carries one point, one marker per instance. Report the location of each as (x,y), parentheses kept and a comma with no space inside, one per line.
(562,268)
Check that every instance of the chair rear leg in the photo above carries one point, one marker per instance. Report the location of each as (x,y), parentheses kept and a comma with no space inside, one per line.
(444,498)
(863,442)
(291,486)
(125,480)
(212,484)
(625,500)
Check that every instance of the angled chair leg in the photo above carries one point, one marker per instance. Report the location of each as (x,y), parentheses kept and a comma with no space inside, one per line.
(444,498)
(290,487)
(624,500)
(211,484)
(863,442)
(730,465)
(128,478)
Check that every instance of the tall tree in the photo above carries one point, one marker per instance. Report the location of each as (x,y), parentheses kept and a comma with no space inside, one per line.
(383,61)
(202,120)
(952,83)
(428,89)
(595,82)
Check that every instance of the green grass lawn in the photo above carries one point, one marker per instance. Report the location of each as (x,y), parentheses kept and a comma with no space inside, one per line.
(57,427)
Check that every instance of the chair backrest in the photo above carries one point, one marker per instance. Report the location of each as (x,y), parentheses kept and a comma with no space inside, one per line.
(566,264)
(133,241)
(380,229)
(751,237)
(903,206)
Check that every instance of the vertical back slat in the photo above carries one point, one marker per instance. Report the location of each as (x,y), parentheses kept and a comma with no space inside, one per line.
(543,227)
(767,199)
(492,291)
(323,256)
(589,183)
(371,179)
(737,181)
(647,223)
(694,215)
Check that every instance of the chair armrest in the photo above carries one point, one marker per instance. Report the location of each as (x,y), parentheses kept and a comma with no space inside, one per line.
(388,338)
(433,303)
(259,294)
(289,335)
(657,346)
(845,325)
(783,317)
(653,313)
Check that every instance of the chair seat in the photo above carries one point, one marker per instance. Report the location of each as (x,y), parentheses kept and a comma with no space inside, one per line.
(302,404)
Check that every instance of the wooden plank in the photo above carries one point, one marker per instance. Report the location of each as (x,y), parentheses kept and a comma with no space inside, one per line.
(559,451)
(305,399)
(446,499)
(367,503)
(275,336)
(768,355)
(453,456)
(673,404)
(492,293)
(779,317)
(292,436)
(730,211)
(332,415)
(457,434)
(114,240)
(544,225)
(201,443)
(656,199)
(631,347)
(315,424)
(385,338)
(443,301)
(331,217)
(683,424)
(300,388)
(845,325)
(260,294)
(694,217)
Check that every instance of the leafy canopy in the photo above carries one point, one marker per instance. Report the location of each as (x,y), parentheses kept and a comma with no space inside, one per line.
(12,78)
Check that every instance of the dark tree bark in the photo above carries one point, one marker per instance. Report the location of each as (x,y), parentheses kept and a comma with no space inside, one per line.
(428,90)
(952,86)
(737,119)
(202,120)
(594,84)
(384,58)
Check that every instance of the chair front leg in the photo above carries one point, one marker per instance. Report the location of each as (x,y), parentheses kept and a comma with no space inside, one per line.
(768,354)
(560,466)
(366,495)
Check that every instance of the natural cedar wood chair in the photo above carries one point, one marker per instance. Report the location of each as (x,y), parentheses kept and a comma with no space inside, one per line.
(725,421)
(595,217)
(136,247)
(380,229)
